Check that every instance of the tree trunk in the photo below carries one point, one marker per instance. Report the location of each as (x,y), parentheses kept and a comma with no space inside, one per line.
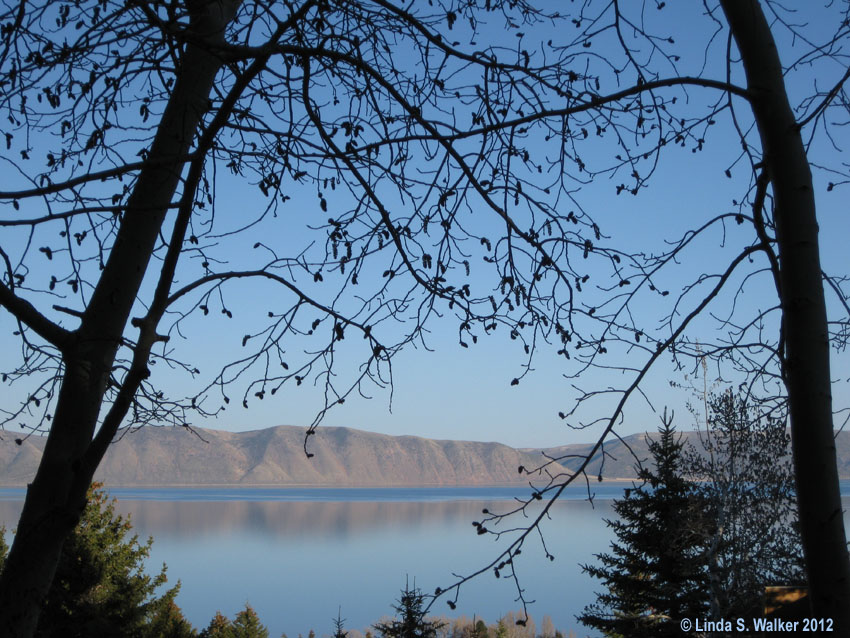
(56,497)
(804,321)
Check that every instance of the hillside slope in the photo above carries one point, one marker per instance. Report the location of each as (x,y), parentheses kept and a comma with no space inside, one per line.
(159,457)
(619,456)
(275,457)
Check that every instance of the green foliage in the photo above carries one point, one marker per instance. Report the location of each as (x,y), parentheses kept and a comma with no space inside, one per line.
(412,623)
(706,547)
(168,622)
(654,574)
(246,624)
(100,587)
(219,627)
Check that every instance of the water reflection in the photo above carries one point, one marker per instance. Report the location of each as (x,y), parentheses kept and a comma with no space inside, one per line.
(286,514)
(292,520)
(297,561)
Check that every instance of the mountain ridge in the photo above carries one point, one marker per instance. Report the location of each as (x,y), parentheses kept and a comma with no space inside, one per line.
(274,457)
(159,457)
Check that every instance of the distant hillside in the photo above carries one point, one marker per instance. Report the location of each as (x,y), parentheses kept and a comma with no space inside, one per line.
(342,457)
(619,462)
(275,456)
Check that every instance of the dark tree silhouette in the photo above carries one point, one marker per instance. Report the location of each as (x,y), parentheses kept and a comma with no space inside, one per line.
(411,622)
(655,574)
(446,165)
(339,625)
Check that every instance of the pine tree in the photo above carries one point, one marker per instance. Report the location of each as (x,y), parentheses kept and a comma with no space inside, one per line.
(100,587)
(655,572)
(247,625)
(169,622)
(219,627)
(412,623)
(339,626)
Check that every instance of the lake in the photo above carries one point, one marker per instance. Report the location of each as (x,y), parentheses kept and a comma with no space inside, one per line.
(300,555)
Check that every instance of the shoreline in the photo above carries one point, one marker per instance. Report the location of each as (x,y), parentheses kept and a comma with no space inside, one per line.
(329,486)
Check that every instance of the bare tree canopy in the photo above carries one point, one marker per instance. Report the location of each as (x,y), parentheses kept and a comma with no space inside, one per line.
(385,166)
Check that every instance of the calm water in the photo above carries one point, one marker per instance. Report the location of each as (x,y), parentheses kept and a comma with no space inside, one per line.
(297,555)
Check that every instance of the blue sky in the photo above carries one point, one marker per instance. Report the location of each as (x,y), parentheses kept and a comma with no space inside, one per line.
(445,391)
(458,393)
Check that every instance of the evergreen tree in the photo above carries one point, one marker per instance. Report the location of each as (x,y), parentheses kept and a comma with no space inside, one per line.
(169,622)
(339,626)
(219,627)
(247,625)
(655,572)
(412,623)
(100,587)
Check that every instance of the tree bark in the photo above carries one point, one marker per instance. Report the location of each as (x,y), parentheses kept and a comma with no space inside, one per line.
(56,497)
(804,319)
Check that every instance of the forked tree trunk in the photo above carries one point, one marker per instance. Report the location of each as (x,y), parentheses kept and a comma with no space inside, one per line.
(807,374)
(56,497)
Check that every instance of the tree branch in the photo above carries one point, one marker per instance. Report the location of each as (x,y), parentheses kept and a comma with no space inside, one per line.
(27,314)
(825,103)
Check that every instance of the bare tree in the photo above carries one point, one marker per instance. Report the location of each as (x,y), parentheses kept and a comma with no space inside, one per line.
(747,491)
(783,362)
(442,170)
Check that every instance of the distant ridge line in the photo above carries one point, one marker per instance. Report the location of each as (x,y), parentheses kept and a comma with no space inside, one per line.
(343,457)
